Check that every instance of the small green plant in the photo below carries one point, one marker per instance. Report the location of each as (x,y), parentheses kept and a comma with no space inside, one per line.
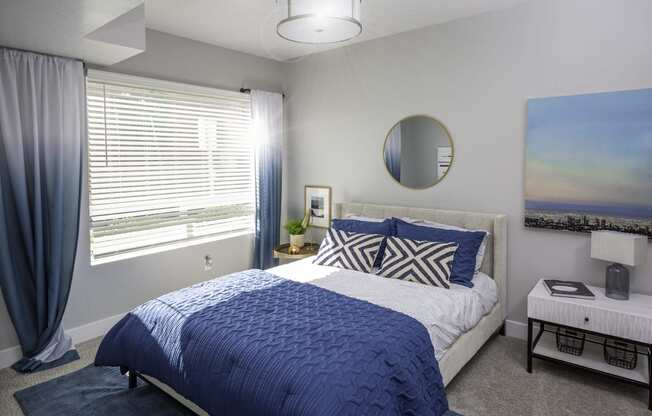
(298,227)
(294,227)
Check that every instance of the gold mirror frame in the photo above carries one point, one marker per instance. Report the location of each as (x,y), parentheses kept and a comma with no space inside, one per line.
(450,139)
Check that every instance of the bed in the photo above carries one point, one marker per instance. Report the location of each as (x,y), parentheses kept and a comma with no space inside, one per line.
(453,337)
(494,266)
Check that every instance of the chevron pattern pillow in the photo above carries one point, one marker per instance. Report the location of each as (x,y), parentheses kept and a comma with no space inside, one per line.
(423,262)
(348,250)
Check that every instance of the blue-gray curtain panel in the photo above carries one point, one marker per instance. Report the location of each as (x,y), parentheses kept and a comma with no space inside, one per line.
(42,136)
(267,118)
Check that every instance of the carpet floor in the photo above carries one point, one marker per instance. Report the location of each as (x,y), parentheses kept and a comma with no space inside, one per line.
(493,383)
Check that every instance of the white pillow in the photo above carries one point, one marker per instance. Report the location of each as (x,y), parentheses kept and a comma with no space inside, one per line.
(481,250)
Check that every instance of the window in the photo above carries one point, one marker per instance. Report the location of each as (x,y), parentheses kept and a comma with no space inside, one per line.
(169,165)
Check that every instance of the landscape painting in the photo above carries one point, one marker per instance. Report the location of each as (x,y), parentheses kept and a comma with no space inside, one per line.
(589,162)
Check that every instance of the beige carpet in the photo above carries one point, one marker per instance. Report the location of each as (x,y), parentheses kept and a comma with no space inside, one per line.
(496,383)
(493,383)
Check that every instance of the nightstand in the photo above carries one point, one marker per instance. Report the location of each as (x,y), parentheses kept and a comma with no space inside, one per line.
(626,321)
(282,252)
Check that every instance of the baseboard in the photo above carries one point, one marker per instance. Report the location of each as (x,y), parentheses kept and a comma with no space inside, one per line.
(9,356)
(92,330)
(515,329)
(79,334)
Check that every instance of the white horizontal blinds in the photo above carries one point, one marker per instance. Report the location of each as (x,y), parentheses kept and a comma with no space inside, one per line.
(166,166)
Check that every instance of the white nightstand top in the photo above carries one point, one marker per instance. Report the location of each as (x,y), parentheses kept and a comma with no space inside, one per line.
(629,319)
(637,304)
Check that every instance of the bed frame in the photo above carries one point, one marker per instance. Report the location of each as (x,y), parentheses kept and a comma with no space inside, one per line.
(494,265)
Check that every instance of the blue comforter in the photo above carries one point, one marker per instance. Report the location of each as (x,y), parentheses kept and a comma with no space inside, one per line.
(252,343)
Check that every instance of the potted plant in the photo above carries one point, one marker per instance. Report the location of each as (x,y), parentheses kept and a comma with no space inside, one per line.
(297,230)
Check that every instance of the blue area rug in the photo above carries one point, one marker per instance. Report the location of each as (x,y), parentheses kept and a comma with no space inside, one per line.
(99,391)
(96,391)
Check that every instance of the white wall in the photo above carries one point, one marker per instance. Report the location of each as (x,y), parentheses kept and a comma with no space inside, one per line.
(474,75)
(109,289)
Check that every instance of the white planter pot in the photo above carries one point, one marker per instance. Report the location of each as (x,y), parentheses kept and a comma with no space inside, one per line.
(297,240)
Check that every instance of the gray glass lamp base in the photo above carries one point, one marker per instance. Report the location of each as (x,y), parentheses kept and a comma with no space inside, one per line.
(617,284)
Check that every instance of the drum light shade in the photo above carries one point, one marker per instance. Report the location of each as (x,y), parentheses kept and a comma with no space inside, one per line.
(320,21)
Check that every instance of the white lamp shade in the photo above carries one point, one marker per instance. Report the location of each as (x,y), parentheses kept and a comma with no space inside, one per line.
(623,248)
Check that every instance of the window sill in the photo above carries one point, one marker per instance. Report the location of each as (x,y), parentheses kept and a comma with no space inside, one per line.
(168,247)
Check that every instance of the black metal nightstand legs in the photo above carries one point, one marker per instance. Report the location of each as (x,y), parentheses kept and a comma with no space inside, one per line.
(533,340)
(529,345)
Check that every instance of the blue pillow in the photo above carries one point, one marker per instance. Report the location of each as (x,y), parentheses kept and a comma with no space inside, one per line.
(468,245)
(385,228)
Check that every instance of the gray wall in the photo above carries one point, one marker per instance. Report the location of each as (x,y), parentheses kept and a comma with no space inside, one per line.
(105,290)
(474,75)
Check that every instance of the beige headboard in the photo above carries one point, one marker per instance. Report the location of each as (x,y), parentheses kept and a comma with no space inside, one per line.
(495,259)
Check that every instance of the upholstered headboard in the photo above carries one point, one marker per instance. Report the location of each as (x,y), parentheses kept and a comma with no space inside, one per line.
(495,259)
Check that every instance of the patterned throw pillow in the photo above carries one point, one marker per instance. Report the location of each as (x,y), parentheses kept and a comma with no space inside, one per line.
(424,262)
(348,250)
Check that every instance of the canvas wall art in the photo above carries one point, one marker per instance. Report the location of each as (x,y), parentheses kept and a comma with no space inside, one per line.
(589,162)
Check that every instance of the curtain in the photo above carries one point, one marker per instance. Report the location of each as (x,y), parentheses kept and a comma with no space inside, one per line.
(42,132)
(393,153)
(267,117)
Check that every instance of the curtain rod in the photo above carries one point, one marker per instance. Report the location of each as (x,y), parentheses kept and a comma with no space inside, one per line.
(85,66)
(248,91)
(42,53)
(242,90)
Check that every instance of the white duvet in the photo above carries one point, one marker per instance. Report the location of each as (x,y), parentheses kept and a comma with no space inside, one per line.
(446,313)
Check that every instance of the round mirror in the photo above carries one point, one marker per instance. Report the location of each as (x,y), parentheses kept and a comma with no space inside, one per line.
(418,152)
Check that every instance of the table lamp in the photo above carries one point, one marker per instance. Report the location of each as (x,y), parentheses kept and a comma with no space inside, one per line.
(621,249)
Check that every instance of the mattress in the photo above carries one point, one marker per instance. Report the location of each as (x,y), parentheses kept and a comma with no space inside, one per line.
(446,313)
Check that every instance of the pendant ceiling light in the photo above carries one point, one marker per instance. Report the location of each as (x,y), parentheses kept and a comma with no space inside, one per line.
(320,21)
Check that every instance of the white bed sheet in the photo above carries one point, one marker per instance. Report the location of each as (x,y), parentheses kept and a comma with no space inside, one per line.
(446,313)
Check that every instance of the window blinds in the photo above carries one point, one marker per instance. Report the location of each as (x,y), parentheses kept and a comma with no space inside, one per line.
(166,166)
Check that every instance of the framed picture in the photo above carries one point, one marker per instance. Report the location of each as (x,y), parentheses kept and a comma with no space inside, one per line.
(318,202)
(588,162)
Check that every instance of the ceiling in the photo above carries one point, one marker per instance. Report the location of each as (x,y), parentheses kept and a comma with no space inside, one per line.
(250,25)
(108,31)
(99,31)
